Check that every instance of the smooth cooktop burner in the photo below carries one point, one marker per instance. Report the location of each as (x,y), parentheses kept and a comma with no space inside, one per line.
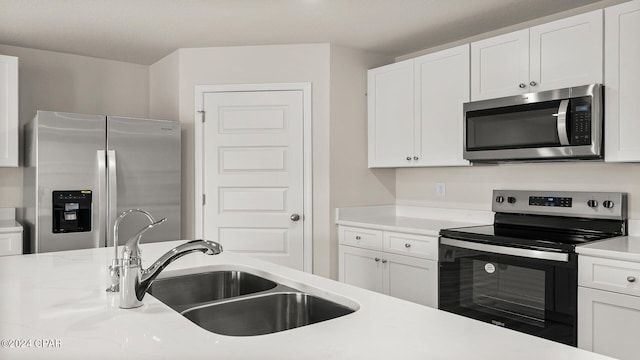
(523,237)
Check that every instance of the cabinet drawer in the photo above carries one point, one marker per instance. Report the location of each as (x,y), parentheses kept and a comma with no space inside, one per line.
(412,245)
(11,243)
(359,237)
(607,274)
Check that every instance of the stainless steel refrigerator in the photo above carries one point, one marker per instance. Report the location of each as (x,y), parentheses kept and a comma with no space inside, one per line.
(82,171)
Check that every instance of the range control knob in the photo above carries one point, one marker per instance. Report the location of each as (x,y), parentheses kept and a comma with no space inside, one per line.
(499,199)
(607,204)
(511,200)
(592,203)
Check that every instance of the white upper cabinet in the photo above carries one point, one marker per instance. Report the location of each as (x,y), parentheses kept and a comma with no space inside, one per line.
(621,79)
(566,52)
(500,66)
(415,110)
(391,115)
(442,86)
(559,54)
(8,111)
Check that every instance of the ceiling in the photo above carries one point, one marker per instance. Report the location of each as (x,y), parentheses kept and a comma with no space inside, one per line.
(144,31)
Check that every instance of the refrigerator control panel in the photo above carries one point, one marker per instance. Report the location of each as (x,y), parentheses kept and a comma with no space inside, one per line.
(71,211)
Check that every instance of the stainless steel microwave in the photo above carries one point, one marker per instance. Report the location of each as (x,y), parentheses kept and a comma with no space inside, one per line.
(559,124)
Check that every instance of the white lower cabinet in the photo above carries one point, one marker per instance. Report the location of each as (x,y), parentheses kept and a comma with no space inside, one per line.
(609,323)
(412,277)
(608,307)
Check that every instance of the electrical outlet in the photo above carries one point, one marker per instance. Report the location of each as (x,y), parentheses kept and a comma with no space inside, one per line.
(440,189)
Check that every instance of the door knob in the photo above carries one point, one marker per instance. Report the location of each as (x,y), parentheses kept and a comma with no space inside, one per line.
(294,217)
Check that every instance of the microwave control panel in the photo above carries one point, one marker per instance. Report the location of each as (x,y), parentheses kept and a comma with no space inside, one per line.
(580,110)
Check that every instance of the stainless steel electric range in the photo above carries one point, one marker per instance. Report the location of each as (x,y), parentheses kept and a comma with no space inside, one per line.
(521,272)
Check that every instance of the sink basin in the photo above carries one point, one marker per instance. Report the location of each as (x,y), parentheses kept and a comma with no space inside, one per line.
(186,291)
(265,314)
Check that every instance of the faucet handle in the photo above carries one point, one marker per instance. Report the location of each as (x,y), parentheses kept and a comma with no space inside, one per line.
(114,275)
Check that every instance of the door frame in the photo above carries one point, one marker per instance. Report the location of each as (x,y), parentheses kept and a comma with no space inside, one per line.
(200,91)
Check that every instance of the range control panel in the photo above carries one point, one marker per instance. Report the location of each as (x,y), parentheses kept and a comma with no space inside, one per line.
(550,201)
(605,205)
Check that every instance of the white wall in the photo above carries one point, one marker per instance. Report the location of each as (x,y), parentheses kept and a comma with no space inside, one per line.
(254,65)
(338,77)
(470,188)
(352,183)
(71,83)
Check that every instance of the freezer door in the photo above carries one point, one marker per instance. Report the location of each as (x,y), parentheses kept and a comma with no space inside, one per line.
(70,160)
(144,173)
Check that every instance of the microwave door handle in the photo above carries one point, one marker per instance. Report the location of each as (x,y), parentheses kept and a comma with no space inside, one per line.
(561,122)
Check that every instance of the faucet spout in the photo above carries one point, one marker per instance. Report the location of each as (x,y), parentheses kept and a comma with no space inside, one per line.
(135,281)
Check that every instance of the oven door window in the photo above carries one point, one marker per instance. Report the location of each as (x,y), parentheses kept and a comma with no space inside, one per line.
(506,290)
(534,296)
(513,127)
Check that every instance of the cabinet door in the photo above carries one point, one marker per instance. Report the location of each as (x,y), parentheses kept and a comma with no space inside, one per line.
(442,86)
(608,323)
(391,115)
(361,267)
(8,111)
(567,52)
(500,66)
(411,279)
(621,79)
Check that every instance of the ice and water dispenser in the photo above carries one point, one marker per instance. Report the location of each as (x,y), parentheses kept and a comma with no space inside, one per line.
(71,211)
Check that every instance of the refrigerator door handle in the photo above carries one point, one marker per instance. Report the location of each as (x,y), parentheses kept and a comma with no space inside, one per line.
(102,198)
(112,193)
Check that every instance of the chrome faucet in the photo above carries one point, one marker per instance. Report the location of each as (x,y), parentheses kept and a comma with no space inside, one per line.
(134,280)
(114,268)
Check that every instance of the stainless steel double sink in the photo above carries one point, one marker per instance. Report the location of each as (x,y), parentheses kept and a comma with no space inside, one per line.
(239,303)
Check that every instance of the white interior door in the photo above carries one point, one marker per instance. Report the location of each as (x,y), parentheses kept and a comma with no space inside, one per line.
(253,173)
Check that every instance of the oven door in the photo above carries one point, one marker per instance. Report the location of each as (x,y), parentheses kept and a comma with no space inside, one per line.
(534,292)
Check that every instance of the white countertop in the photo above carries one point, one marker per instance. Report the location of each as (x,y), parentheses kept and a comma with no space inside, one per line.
(619,248)
(8,223)
(60,297)
(411,219)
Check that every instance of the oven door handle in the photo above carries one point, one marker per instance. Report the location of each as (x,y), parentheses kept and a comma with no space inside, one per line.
(505,250)
(561,122)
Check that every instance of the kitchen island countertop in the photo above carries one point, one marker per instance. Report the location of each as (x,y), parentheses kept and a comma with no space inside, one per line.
(60,297)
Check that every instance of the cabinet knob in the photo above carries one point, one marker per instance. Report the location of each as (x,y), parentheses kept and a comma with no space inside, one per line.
(407,245)
(294,217)
(408,157)
(522,86)
(358,237)
(376,259)
(631,279)
(415,158)
(384,261)
(533,83)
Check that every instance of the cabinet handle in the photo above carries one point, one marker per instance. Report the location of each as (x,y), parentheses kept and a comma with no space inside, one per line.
(533,83)
(522,86)
(376,259)
(384,261)
(408,157)
(631,279)
(358,237)
(407,245)
(415,158)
